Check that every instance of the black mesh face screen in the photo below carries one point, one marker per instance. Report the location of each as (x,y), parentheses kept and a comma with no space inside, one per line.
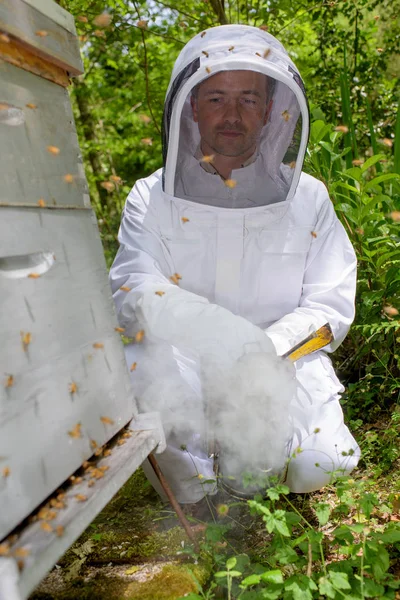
(169,103)
(298,80)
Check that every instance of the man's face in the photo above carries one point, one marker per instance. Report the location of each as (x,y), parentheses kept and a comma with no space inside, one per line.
(231,110)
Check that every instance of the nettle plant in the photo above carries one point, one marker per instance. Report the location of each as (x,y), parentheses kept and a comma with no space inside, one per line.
(347,554)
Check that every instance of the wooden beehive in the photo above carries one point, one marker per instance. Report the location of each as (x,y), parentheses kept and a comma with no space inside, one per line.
(62,365)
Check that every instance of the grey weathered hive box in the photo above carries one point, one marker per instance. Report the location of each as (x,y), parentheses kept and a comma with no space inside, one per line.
(64,385)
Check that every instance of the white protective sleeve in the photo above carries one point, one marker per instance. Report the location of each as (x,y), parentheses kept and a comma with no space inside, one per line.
(329,286)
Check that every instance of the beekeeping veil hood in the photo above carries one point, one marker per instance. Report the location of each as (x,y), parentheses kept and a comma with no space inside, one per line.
(275,168)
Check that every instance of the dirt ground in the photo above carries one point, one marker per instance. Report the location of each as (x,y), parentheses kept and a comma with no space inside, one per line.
(134,549)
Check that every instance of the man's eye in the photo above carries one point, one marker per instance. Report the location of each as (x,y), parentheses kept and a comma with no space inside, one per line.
(249,101)
(215,100)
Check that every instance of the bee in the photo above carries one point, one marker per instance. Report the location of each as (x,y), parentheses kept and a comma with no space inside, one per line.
(41,203)
(6,471)
(68,178)
(45,514)
(133,367)
(34,275)
(4,38)
(93,444)
(99,33)
(208,70)
(76,431)
(98,451)
(82,19)
(117,179)
(231,48)
(31,105)
(313,233)
(97,474)
(292,164)
(98,345)
(59,530)
(387,142)
(108,185)
(342,128)
(203,33)
(107,452)
(26,339)
(159,293)
(81,497)
(102,20)
(230,183)
(91,482)
(286,116)
(77,480)
(139,336)
(208,159)
(205,53)
(57,504)
(121,442)
(9,381)
(395,215)
(53,150)
(145,119)
(104,468)
(266,53)
(107,420)
(258,54)
(85,464)
(125,288)
(147,141)
(357,162)
(142,24)
(21,552)
(127,434)
(73,388)
(46,526)
(41,33)
(184,219)
(391,311)
(4,549)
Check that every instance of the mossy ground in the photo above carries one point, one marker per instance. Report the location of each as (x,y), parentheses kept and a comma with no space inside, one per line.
(132,550)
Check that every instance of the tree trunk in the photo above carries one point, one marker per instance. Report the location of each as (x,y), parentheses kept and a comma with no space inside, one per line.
(219,10)
(88,128)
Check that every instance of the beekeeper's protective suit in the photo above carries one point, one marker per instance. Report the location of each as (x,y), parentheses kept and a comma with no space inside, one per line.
(213,270)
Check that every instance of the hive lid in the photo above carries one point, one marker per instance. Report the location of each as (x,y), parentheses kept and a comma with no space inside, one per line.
(45,29)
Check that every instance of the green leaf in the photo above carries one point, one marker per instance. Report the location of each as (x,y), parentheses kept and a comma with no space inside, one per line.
(323,511)
(221,574)
(250,580)
(231,563)
(388,537)
(354,173)
(339,580)
(272,493)
(381,179)
(325,588)
(372,161)
(274,576)
(373,589)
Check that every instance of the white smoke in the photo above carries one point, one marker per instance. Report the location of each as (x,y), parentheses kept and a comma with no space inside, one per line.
(214,375)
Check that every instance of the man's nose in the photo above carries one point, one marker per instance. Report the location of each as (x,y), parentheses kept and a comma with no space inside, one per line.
(232,112)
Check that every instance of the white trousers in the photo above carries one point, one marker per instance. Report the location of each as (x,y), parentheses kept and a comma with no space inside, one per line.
(321,444)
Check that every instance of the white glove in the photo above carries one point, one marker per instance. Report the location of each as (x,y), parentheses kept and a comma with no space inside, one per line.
(184,319)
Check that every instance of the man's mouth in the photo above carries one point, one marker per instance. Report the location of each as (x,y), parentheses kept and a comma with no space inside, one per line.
(230,134)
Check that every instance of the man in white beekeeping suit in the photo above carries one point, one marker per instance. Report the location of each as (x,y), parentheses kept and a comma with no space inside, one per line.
(229,256)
